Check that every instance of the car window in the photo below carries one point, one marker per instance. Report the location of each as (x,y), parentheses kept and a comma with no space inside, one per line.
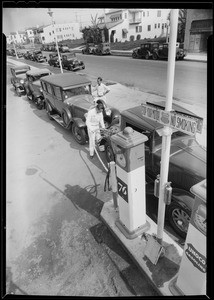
(47,87)
(37,77)
(57,92)
(82,90)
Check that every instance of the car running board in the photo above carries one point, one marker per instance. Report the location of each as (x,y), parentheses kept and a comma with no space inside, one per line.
(58,119)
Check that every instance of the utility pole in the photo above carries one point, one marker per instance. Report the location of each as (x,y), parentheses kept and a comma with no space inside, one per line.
(57,48)
(14,47)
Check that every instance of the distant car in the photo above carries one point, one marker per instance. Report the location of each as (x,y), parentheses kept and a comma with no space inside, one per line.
(68,98)
(53,60)
(63,49)
(145,50)
(38,56)
(89,48)
(33,86)
(102,49)
(18,78)
(71,63)
(162,52)
(11,52)
(28,55)
(187,164)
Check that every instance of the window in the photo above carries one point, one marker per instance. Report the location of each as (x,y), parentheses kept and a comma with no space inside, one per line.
(125,15)
(158,25)
(138,28)
(149,27)
(155,25)
(48,88)
(162,25)
(159,13)
(57,92)
(147,13)
(144,14)
(165,25)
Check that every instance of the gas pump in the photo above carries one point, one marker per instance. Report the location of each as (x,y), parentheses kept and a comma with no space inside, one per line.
(191,279)
(128,146)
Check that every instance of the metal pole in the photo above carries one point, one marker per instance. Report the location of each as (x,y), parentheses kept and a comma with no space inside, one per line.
(166,133)
(14,47)
(57,48)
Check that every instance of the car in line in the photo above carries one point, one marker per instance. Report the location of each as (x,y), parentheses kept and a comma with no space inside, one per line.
(28,55)
(145,50)
(89,48)
(163,50)
(33,88)
(18,78)
(71,63)
(102,49)
(38,56)
(68,97)
(64,48)
(187,165)
(53,60)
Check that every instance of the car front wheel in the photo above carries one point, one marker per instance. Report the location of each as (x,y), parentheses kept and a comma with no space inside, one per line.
(154,56)
(179,218)
(134,55)
(79,134)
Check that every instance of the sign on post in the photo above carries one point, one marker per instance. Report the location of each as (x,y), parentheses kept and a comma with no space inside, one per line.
(183,122)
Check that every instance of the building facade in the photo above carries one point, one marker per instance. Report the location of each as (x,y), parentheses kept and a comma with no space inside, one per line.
(18,37)
(62,31)
(199,26)
(132,24)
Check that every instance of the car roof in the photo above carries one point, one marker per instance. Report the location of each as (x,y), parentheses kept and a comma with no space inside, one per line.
(37,71)
(66,80)
(22,67)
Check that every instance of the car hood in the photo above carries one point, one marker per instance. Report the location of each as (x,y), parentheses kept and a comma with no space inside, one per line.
(37,83)
(82,101)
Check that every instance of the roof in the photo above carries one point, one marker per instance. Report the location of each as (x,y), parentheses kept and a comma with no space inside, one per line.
(37,71)
(22,67)
(114,10)
(66,80)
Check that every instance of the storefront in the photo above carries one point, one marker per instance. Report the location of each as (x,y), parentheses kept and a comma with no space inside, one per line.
(199,32)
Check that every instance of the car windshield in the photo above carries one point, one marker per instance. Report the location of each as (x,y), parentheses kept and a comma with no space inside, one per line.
(82,90)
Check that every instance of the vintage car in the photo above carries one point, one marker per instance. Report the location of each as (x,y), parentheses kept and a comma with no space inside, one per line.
(33,86)
(18,78)
(71,63)
(38,56)
(89,48)
(28,55)
(68,98)
(162,52)
(102,49)
(11,52)
(53,60)
(63,48)
(145,50)
(187,164)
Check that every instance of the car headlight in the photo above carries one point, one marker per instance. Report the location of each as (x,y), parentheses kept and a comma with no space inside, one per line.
(41,90)
(21,81)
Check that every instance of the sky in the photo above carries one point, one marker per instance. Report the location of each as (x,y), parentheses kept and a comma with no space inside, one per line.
(18,19)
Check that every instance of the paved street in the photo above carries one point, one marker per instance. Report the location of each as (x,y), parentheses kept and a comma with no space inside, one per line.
(56,242)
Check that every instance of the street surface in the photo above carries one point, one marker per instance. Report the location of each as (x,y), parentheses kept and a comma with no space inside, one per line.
(56,243)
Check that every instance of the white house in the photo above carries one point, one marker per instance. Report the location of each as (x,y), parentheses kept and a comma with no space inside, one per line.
(127,24)
(62,31)
(16,37)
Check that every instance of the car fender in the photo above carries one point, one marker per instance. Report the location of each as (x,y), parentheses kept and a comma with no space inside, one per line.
(79,122)
(67,111)
(187,201)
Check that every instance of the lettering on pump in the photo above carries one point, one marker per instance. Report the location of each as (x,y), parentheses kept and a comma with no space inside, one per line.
(196,258)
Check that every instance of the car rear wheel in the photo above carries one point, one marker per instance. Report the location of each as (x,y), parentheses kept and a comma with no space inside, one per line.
(147,56)
(70,68)
(179,218)
(109,152)
(79,134)
(134,55)
(49,111)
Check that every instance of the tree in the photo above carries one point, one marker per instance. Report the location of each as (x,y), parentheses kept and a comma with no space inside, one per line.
(182,15)
(93,34)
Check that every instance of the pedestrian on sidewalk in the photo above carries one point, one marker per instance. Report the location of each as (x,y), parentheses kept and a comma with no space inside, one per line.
(101,90)
(94,123)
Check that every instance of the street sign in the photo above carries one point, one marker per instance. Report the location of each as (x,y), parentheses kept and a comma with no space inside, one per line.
(183,122)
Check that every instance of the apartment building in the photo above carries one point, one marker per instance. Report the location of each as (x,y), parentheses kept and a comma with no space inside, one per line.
(62,31)
(16,37)
(132,24)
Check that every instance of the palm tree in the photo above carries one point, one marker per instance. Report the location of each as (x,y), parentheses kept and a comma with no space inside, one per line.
(182,14)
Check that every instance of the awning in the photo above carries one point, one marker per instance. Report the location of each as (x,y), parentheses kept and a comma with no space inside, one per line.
(125,30)
(202,25)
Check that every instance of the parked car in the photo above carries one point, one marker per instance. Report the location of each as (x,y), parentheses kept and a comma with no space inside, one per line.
(53,60)
(71,63)
(33,86)
(89,48)
(11,52)
(162,52)
(28,55)
(145,50)
(63,48)
(18,78)
(68,98)
(102,49)
(38,56)
(187,164)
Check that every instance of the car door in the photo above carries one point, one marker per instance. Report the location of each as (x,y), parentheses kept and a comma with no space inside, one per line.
(58,99)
